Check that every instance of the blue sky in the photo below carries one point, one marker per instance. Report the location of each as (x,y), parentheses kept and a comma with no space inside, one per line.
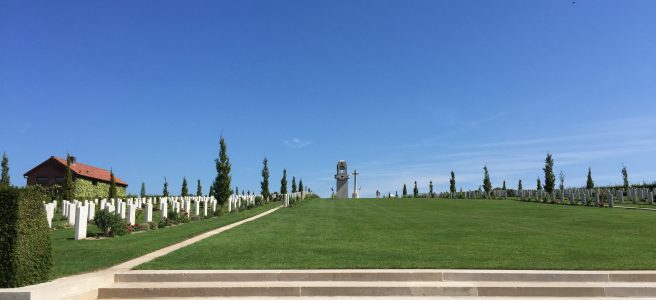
(402,90)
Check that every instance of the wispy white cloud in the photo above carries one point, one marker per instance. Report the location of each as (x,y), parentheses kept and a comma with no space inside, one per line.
(297,143)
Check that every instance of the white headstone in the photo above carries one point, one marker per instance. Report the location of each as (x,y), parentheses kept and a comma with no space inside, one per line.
(81,222)
(148,214)
(71,213)
(50,212)
(165,209)
(205,208)
(132,212)
(91,212)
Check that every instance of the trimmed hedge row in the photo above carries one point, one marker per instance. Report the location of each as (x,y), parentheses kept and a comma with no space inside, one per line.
(25,247)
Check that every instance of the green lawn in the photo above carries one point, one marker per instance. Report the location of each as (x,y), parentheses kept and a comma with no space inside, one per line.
(422,233)
(72,257)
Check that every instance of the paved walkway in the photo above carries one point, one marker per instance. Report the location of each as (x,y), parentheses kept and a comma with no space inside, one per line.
(85,286)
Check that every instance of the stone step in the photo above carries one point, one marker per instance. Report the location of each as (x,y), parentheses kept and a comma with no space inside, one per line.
(384,275)
(393,298)
(141,290)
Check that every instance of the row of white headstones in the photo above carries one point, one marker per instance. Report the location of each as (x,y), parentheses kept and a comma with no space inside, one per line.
(635,195)
(79,213)
(585,196)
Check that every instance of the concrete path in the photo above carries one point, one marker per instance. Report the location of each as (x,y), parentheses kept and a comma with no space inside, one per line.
(85,286)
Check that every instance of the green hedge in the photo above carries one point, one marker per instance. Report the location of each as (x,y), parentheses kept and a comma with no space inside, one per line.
(25,248)
(85,189)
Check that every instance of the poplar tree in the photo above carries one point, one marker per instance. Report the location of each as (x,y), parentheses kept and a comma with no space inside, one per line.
(112,186)
(185,190)
(165,192)
(294,184)
(504,185)
(199,189)
(430,187)
(405,190)
(452,183)
(221,186)
(283,182)
(300,185)
(415,191)
(4,178)
(625,175)
(590,183)
(539,183)
(549,177)
(487,184)
(69,186)
(519,185)
(561,177)
(264,184)
(143,190)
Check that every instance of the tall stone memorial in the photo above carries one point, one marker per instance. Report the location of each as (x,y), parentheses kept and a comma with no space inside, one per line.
(342,178)
(355,185)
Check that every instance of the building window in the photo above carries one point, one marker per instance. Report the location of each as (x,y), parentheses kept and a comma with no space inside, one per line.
(59,180)
(42,180)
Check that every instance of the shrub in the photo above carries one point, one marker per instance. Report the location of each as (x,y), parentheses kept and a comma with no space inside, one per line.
(153,225)
(259,200)
(184,218)
(163,223)
(25,248)
(105,221)
(144,226)
(173,218)
(120,228)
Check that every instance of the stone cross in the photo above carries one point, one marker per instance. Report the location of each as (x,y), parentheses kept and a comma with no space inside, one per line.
(355,184)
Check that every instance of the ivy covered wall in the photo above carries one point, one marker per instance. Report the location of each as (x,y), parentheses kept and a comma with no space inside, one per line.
(84,189)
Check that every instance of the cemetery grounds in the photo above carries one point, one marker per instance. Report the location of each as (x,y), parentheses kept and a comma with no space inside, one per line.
(428,233)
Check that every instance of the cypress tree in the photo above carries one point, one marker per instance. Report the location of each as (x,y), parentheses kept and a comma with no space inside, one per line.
(185,190)
(300,185)
(283,182)
(430,187)
(589,184)
(69,184)
(549,177)
(112,186)
(452,183)
(504,185)
(199,189)
(294,184)
(405,190)
(415,191)
(487,184)
(4,178)
(519,185)
(264,184)
(625,175)
(236,190)
(143,190)
(221,185)
(165,192)
(539,183)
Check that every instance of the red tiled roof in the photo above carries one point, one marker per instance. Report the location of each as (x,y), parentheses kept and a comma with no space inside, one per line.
(90,171)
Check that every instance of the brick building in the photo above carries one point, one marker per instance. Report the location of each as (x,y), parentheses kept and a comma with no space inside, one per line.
(90,182)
